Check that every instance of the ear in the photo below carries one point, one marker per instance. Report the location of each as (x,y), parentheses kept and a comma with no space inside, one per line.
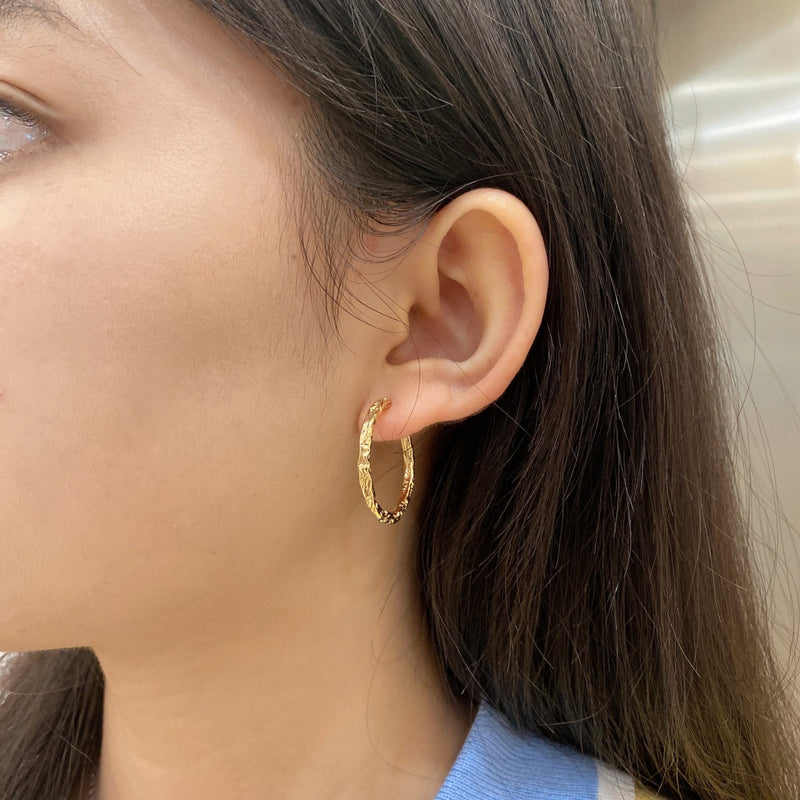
(472,291)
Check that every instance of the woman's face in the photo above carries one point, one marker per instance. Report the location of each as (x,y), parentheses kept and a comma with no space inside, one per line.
(165,428)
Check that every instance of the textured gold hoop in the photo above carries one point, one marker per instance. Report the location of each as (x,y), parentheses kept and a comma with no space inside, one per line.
(365,474)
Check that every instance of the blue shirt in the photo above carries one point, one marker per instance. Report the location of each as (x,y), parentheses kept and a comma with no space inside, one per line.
(496,763)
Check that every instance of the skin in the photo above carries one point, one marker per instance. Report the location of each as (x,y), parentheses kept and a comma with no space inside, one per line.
(179,435)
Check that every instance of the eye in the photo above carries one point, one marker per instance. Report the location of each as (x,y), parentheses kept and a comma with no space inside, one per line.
(18,129)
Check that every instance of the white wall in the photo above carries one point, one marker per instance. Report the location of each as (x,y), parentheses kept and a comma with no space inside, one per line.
(733,69)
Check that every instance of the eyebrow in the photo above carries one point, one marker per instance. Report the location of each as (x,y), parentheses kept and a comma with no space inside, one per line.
(19,12)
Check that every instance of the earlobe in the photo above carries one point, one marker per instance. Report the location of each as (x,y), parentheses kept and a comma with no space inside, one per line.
(479,276)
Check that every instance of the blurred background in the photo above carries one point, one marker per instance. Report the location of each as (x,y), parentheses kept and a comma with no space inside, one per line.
(733,74)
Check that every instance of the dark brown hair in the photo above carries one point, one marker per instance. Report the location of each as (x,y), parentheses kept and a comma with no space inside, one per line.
(582,554)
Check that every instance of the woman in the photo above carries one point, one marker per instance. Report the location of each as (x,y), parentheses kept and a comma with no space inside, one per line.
(231,229)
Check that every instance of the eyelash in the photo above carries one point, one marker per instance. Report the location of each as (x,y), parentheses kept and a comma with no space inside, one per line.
(26,118)
(8,109)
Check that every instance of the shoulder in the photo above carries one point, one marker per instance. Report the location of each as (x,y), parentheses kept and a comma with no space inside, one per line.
(497,763)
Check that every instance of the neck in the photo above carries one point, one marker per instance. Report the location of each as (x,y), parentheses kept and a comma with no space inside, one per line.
(325,688)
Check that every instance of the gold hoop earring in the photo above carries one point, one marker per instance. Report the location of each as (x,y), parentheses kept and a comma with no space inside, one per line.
(365,473)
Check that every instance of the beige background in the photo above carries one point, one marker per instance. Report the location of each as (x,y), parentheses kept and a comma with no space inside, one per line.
(733,71)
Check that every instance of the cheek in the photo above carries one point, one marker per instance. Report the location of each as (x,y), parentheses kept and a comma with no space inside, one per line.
(141,329)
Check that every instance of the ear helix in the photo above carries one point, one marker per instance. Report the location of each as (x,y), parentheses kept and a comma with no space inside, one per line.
(365,473)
